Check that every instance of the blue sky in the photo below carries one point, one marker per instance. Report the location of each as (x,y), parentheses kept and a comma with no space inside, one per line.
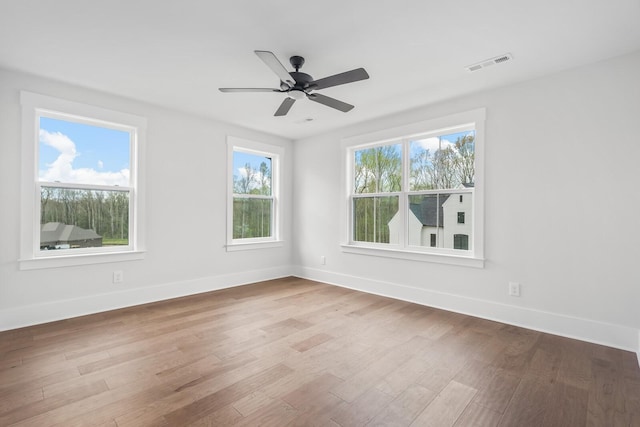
(81,153)
(240,159)
(432,144)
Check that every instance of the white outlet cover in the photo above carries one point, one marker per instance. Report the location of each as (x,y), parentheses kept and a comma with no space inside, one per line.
(118,276)
(514,289)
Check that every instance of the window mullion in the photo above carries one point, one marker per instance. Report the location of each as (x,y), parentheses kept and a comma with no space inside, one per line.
(403,203)
(251,196)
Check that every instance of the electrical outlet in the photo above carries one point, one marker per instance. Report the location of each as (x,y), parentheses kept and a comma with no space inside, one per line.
(323,260)
(514,289)
(118,276)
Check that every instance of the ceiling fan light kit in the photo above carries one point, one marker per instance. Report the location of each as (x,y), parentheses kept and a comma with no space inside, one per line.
(296,94)
(297,85)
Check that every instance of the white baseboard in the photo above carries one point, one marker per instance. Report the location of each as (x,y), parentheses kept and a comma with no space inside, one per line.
(616,336)
(18,317)
(611,335)
(638,349)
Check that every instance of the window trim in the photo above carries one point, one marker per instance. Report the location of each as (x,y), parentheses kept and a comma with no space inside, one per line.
(276,153)
(36,105)
(472,258)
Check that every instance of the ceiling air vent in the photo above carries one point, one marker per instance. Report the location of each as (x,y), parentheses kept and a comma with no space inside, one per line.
(489,62)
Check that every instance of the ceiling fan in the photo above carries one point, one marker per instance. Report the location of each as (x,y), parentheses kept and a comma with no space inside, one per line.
(298,85)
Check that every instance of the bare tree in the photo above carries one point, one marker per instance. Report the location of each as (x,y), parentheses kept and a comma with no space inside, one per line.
(445,168)
(465,161)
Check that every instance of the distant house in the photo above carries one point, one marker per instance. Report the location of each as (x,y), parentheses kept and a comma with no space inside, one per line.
(457,221)
(56,235)
(442,221)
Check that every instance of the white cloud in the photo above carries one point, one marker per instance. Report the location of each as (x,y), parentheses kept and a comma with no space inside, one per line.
(255,178)
(434,144)
(100,164)
(243,172)
(431,144)
(62,170)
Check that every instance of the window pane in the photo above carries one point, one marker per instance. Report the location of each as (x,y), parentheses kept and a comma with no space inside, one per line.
(376,220)
(252,218)
(443,162)
(434,220)
(251,174)
(378,169)
(83,154)
(461,241)
(72,218)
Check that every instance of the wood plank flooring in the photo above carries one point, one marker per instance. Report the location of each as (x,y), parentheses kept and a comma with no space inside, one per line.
(293,352)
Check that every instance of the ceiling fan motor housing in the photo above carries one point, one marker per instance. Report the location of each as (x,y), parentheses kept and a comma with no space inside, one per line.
(303,80)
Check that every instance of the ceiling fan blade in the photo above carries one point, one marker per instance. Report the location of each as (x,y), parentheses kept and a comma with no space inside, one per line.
(276,66)
(330,102)
(247,89)
(340,79)
(285,107)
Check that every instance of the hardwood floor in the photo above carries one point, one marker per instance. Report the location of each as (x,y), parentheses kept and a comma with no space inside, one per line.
(292,352)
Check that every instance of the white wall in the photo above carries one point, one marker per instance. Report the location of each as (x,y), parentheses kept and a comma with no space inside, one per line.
(561,211)
(185,221)
(562,166)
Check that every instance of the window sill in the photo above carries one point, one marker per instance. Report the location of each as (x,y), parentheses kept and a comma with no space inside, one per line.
(465,261)
(81,259)
(233,247)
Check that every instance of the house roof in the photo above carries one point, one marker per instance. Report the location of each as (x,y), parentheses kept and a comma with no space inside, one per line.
(55,232)
(429,211)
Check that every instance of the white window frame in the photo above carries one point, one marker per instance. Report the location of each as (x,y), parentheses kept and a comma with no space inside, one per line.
(276,154)
(35,106)
(474,257)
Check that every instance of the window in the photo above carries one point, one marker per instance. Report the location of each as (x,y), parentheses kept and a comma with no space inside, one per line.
(460,241)
(84,182)
(416,193)
(82,163)
(253,206)
(376,190)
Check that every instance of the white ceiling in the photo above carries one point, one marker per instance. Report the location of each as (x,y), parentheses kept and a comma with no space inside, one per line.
(178,53)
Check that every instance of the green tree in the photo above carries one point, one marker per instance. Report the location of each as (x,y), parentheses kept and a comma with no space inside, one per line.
(377,170)
(465,161)
(265,179)
(105,212)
